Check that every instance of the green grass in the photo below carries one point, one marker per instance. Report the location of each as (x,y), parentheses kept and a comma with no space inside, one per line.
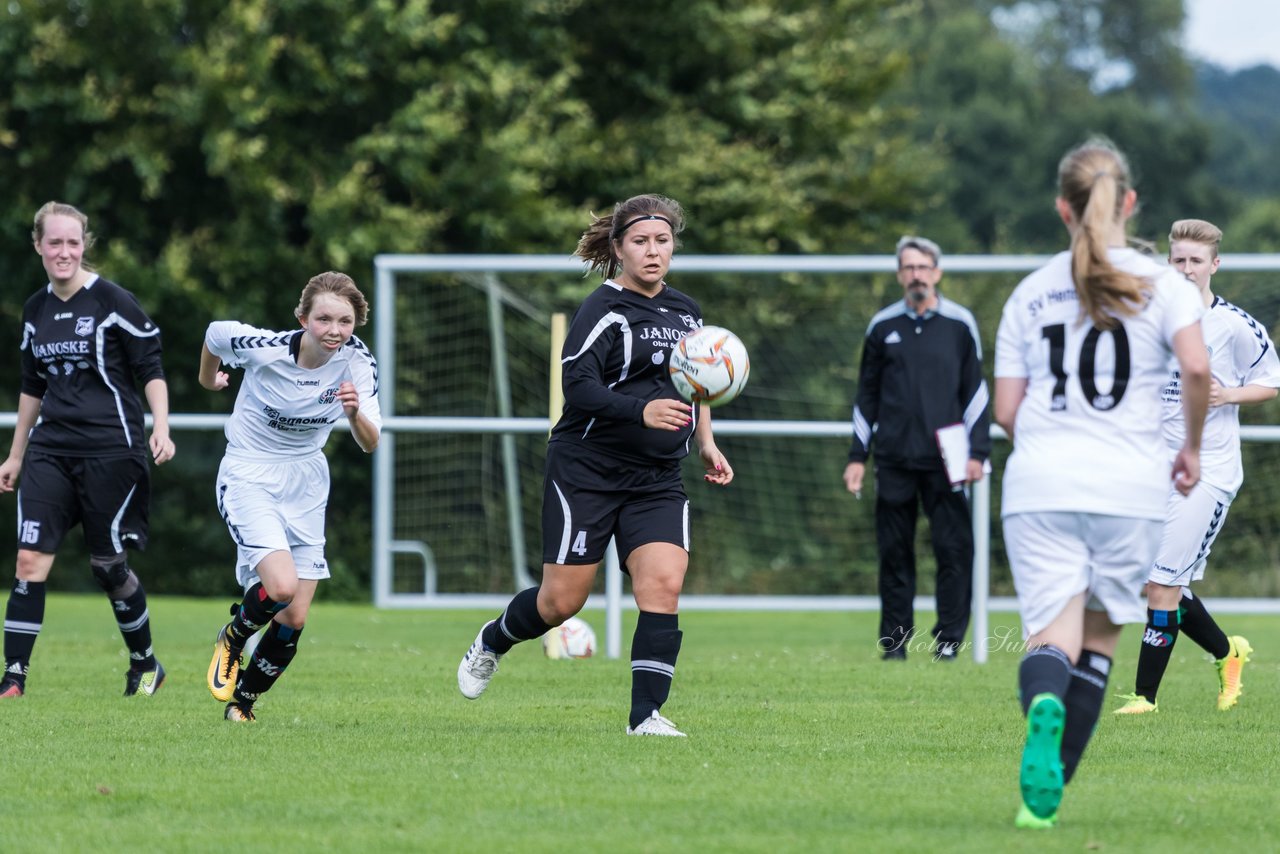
(800,740)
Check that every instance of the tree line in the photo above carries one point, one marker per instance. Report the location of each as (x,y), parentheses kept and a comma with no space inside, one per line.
(225,152)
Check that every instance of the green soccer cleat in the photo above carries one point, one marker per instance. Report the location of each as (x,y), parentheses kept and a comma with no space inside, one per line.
(1229,669)
(1028,820)
(1135,704)
(1041,772)
(143,682)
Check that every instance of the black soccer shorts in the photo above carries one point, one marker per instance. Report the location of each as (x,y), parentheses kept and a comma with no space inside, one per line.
(588,499)
(109,497)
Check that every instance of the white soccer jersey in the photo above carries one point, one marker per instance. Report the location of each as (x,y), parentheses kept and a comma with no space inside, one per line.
(1240,354)
(283,409)
(1087,434)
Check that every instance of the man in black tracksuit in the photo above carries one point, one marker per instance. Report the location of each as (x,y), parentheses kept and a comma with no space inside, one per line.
(921,370)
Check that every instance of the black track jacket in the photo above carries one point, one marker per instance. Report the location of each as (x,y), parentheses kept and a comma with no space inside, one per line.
(919,373)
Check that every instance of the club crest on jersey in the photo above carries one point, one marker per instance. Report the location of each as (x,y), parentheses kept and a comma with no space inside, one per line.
(84,326)
(689,321)
(329,396)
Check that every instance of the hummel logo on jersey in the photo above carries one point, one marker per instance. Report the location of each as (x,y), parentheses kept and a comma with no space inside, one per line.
(893,338)
(1151,637)
(84,326)
(62,315)
(306,383)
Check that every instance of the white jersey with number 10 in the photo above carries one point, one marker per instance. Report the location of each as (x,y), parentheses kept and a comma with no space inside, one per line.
(1087,437)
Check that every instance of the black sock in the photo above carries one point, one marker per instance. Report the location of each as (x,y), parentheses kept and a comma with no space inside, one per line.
(255,611)
(134,621)
(1198,624)
(23,618)
(655,646)
(1158,639)
(277,648)
(519,622)
(1044,670)
(129,604)
(1084,699)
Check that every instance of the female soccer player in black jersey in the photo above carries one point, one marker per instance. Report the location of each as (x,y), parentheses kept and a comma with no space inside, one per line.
(613,461)
(86,343)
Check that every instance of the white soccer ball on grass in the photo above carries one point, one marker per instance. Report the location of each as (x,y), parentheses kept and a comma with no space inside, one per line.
(573,638)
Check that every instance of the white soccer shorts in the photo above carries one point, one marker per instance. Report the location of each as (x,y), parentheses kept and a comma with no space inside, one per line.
(1191,524)
(1056,556)
(275,506)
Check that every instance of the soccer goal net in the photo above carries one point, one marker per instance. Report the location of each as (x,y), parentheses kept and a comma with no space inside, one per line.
(465,345)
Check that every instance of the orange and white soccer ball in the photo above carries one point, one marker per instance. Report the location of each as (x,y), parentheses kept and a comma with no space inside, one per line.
(710,366)
(573,638)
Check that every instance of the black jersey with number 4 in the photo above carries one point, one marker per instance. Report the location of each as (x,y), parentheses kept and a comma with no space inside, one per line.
(85,359)
(614,361)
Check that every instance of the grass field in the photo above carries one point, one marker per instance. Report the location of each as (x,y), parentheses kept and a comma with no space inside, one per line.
(800,740)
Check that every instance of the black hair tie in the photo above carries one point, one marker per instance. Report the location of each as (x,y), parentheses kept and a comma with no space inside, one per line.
(632,222)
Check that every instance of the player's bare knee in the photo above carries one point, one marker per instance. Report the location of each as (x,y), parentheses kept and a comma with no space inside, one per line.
(659,592)
(556,606)
(33,566)
(113,575)
(281,590)
(562,609)
(290,620)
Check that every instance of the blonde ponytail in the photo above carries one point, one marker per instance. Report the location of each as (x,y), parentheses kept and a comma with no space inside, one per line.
(1093,179)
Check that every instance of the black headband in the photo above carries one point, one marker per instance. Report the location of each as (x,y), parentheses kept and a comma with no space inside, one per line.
(629,223)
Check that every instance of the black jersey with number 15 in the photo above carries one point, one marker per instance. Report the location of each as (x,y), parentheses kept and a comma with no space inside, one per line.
(85,359)
(614,361)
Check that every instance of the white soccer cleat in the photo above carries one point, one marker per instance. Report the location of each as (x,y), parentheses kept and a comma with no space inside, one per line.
(656,724)
(477,667)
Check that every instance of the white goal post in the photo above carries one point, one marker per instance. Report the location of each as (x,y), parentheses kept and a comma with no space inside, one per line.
(487,270)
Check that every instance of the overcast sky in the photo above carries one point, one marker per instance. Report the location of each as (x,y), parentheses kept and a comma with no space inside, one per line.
(1234,33)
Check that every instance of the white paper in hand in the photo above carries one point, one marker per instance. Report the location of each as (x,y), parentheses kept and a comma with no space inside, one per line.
(953,442)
